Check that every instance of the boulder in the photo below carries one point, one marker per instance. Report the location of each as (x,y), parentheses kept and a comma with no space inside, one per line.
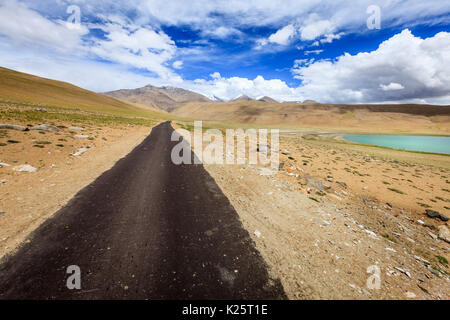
(434,214)
(13,127)
(46,127)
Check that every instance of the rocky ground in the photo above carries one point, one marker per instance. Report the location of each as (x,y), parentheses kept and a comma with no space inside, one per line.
(331,217)
(42,168)
(324,229)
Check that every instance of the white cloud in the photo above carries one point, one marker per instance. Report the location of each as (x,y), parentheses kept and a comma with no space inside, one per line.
(308,52)
(33,42)
(132,45)
(344,14)
(124,42)
(222,32)
(283,36)
(177,64)
(314,27)
(392,86)
(27,27)
(328,38)
(95,76)
(229,88)
(408,67)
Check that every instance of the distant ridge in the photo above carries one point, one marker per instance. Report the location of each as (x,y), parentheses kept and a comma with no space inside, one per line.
(166,98)
(380,118)
(242,97)
(311,101)
(267,99)
(217,99)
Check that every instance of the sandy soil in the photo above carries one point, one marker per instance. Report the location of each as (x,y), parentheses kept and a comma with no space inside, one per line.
(320,244)
(29,198)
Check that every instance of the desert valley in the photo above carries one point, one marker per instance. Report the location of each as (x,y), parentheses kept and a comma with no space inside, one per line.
(332,211)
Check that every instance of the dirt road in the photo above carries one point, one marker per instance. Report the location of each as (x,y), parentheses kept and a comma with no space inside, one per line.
(146,229)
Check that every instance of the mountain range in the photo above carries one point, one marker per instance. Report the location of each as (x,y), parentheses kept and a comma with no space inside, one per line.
(165,98)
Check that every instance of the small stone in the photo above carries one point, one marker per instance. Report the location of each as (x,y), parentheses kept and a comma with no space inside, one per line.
(403,271)
(81,136)
(76,128)
(410,295)
(257,233)
(421,222)
(25,168)
(342,184)
(285,152)
(104,139)
(2,164)
(79,152)
(2,213)
(209,233)
(431,234)
(371,234)
(444,233)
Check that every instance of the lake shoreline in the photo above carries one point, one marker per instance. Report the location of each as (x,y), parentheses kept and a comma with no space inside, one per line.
(412,143)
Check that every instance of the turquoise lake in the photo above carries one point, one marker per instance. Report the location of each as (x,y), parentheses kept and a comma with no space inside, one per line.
(412,143)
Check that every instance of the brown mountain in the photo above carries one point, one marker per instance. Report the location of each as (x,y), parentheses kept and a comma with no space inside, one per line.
(165,98)
(267,99)
(242,97)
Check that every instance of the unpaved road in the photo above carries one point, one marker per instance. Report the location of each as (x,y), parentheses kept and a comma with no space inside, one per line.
(146,229)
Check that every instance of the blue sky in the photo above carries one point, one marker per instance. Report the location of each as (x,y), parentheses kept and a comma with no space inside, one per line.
(289,50)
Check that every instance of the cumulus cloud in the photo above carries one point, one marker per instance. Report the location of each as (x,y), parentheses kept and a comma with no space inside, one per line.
(403,68)
(344,14)
(132,45)
(229,88)
(177,64)
(283,36)
(310,29)
(314,27)
(123,43)
(392,86)
(222,32)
